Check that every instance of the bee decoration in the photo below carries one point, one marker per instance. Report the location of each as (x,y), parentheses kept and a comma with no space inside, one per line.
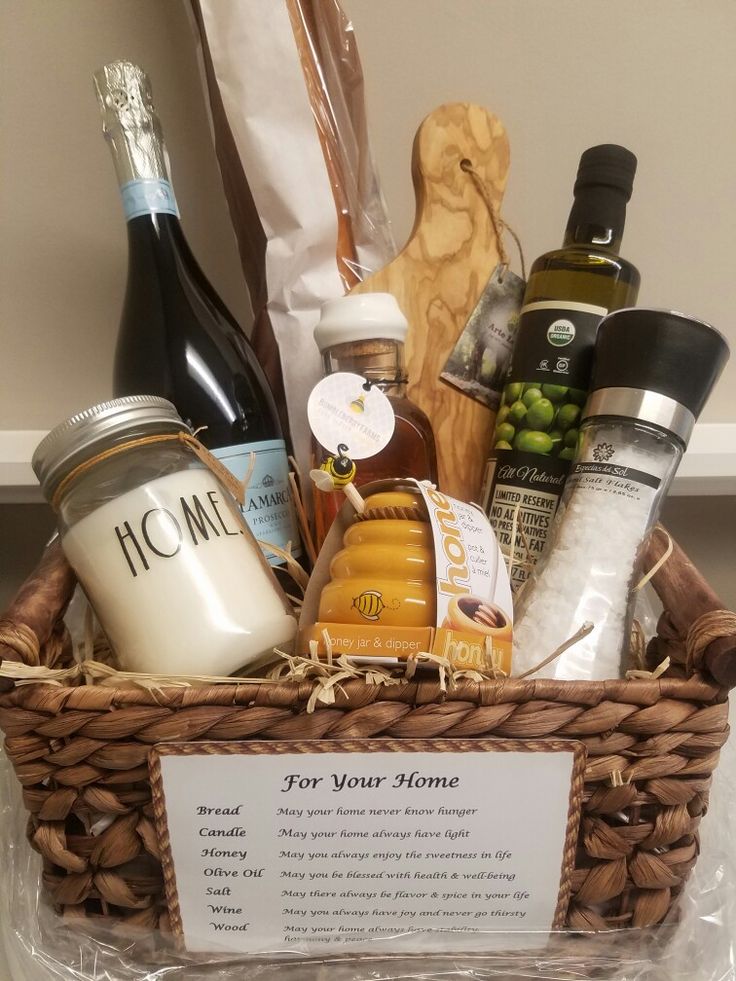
(358,404)
(340,467)
(370,604)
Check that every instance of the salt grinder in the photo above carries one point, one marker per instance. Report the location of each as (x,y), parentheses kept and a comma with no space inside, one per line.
(653,373)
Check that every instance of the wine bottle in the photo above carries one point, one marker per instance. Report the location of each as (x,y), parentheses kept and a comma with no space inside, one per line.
(177,339)
(568,293)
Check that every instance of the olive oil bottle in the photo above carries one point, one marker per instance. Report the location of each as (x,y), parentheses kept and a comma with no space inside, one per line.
(568,292)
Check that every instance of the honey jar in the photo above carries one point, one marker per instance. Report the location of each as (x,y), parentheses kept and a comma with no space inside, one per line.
(384,574)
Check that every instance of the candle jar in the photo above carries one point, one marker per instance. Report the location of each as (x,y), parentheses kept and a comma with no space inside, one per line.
(653,373)
(158,543)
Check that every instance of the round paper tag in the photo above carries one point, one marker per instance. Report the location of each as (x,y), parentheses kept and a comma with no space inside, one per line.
(342,410)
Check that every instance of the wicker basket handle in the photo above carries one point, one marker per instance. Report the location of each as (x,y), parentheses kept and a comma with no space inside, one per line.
(37,609)
(692,612)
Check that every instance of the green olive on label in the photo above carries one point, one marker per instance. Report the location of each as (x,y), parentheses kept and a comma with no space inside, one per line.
(505,432)
(555,435)
(555,393)
(568,453)
(530,441)
(541,415)
(502,414)
(578,396)
(517,412)
(530,396)
(502,445)
(519,435)
(571,438)
(512,392)
(568,415)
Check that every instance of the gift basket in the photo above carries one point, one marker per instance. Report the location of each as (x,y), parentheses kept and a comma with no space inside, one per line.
(356,671)
(80,753)
(652,747)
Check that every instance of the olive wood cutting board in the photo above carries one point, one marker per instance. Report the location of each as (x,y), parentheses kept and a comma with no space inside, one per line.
(439,275)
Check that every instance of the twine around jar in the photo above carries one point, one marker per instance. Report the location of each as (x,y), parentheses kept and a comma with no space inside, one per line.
(236,488)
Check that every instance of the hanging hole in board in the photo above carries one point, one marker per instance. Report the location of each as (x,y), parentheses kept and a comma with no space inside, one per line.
(466,164)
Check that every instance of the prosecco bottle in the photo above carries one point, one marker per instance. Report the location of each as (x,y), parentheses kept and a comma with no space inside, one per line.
(177,339)
(568,293)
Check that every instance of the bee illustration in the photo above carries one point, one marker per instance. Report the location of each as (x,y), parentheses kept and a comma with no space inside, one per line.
(370,604)
(358,404)
(341,468)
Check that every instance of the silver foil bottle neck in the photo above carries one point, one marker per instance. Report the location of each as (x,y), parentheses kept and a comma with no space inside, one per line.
(130,124)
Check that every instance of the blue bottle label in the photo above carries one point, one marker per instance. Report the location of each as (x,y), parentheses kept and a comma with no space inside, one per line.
(269,509)
(145,197)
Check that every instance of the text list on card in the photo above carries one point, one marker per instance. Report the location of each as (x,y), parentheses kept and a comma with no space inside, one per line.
(367,845)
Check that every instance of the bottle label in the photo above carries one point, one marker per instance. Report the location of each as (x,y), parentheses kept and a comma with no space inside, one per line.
(526,489)
(611,478)
(536,432)
(269,509)
(145,197)
(610,465)
(554,343)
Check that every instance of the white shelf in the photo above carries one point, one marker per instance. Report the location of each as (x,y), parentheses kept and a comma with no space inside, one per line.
(709,466)
(18,484)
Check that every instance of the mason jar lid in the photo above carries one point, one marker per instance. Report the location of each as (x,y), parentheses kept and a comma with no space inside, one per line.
(86,433)
(360,317)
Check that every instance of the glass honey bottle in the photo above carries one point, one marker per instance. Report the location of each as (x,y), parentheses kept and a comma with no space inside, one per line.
(364,333)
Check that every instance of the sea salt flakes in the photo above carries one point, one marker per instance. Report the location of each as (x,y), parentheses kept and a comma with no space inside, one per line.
(590,563)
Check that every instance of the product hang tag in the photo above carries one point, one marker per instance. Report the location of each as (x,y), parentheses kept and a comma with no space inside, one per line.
(478,363)
(346,410)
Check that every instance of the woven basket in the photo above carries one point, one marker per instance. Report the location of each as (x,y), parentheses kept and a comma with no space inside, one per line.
(81,752)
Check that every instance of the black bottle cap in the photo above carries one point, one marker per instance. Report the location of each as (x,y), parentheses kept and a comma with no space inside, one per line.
(607,165)
(659,351)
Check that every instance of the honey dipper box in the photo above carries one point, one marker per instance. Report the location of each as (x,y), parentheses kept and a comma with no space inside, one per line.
(417,572)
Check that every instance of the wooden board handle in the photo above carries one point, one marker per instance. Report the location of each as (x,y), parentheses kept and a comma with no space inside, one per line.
(439,275)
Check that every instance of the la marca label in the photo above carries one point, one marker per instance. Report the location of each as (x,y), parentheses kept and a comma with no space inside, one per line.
(382,846)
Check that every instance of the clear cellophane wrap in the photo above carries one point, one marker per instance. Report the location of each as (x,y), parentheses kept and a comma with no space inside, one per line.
(701,947)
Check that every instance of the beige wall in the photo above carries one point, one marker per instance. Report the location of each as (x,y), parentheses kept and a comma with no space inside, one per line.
(657,76)
(65,250)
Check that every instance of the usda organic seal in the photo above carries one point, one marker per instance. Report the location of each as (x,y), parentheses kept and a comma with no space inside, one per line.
(561,332)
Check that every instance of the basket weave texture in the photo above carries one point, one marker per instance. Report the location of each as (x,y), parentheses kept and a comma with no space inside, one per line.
(81,756)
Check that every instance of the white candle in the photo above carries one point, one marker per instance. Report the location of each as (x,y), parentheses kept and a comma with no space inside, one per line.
(176,580)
